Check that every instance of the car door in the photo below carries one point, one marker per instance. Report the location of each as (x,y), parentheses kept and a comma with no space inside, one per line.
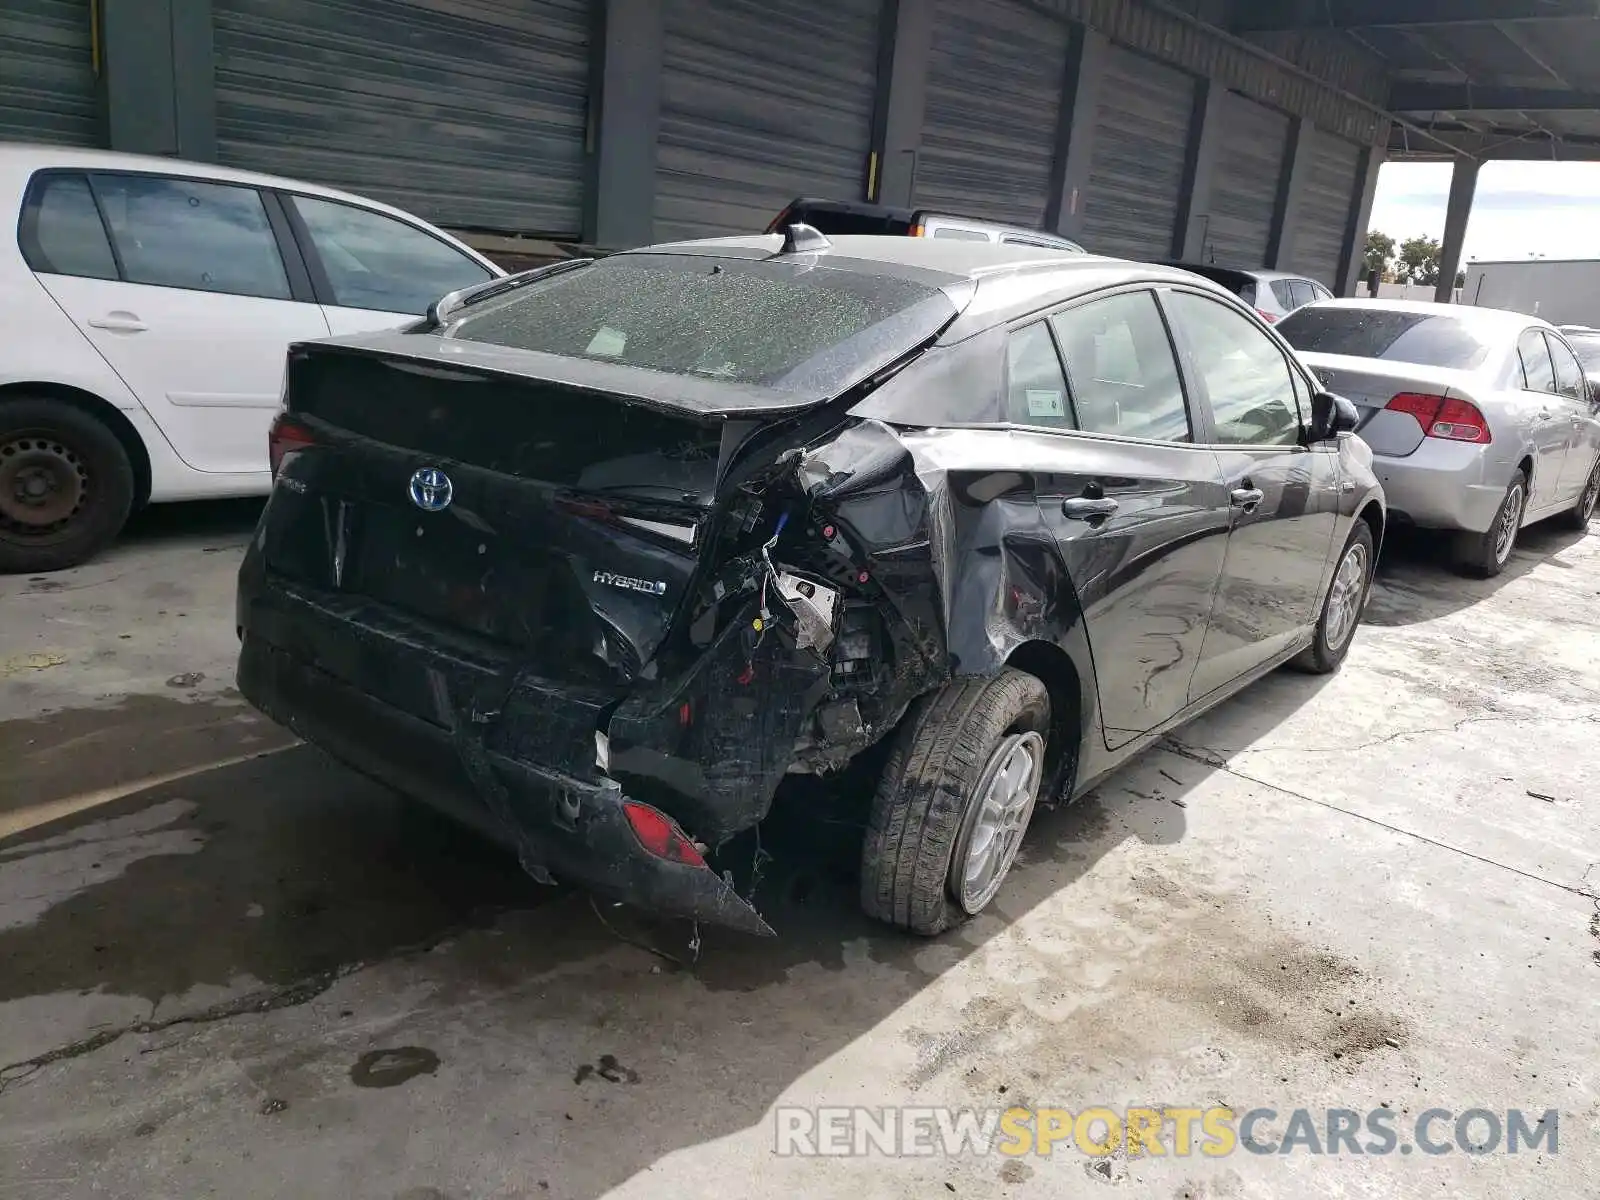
(1546,419)
(198,310)
(1583,443)
(1136,507)
(372,270)
(1283,495)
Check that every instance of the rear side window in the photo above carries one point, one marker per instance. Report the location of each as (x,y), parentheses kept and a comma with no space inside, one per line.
(1302,293)
(376,262)
(1121,366)
(773,324)
(1569,375)
(1538,373)
(1283,292)
(206,237)
(61,230)
(1409,337)
(1036,389)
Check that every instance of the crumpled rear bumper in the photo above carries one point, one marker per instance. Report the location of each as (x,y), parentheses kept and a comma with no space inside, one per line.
(572,826)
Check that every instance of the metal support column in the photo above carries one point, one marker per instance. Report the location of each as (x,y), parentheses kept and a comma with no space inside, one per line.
(902,99)
(1463,183)
(1291,191)
(624,115)
(1355,237)
(1080,104)
(157,72)
(1194,204)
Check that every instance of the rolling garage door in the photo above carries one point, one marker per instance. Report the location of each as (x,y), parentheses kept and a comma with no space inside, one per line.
(1324,218)
(761,101)
(995,76)
(469,113)
(47,85)
(1136,167)
(1244,188)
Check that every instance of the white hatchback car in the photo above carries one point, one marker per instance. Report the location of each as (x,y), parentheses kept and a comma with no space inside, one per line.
(148,304)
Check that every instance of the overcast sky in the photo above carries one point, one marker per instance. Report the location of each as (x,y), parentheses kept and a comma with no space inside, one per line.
(1521,208)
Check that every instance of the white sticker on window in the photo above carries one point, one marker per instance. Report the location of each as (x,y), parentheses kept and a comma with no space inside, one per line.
(1045,402)
(607,342)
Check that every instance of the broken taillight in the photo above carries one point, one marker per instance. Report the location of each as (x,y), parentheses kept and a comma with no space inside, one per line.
(660,835)
(286,436)
(1443,416)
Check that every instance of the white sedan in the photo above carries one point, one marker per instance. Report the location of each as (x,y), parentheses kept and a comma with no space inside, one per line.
(149,303)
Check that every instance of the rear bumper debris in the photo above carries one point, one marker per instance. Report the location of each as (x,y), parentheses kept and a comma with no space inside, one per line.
(558,822)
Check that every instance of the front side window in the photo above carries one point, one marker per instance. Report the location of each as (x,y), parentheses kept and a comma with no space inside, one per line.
(1538,372)
(1245,375)
(1569,375)
(1036,390)
(777,324)
(376,262)
(182,233)
(61,230)
(1122,369)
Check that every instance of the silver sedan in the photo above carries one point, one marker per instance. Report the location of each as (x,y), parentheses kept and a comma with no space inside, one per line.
(1480,420)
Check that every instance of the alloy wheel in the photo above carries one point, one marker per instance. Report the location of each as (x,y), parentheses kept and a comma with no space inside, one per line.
(1006,792)
(1505,533)
(1346,596)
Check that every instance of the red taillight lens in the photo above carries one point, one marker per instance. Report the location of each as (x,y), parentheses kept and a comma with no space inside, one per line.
(286,435)
(1460,422)
(658,834)
(1269,318)
(1443,417)
(782,219)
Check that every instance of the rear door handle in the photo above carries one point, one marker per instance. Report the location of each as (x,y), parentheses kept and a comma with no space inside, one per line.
(119,323)
(1088,508)
(1246,498)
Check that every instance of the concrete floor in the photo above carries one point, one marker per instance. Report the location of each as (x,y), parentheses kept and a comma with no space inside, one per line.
(1374,889)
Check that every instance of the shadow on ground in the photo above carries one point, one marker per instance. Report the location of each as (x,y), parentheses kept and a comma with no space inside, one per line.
(1418,580)
(288,867)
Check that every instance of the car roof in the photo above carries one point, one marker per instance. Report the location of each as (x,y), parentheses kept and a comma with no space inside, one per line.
(33,156)
(1490,320)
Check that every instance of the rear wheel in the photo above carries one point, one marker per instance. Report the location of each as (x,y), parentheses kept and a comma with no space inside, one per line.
(1342,606)
(1485,554)
(66,485)
(954,800)
(1577,517)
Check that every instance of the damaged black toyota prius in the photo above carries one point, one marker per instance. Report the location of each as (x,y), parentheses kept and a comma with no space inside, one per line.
(595,555)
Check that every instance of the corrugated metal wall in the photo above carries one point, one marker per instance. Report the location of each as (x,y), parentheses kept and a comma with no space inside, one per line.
(1136,166)
(47,84)
(1232,63)
(995,77)
(469,113)
(1324,216)
(1245,179)
(762,101)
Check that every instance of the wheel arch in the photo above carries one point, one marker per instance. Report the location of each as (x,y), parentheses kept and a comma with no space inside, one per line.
(1372,514)
(1069,712)
(103,411)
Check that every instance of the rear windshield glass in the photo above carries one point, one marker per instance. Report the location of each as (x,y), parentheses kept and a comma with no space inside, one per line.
(789,326)
(1587,348)
(1408,337)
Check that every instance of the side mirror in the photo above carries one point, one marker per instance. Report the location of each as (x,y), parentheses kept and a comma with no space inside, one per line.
(1332,415)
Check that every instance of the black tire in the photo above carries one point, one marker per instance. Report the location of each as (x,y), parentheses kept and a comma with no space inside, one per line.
(928,794)
(1336,626)
(1577,517)
(66,485)
(1483,555)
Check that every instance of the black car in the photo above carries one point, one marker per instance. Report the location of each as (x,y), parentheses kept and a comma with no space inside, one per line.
(596,555)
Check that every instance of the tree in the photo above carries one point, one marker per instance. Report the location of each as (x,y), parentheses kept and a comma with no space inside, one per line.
(1419,260)
(1380,253)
